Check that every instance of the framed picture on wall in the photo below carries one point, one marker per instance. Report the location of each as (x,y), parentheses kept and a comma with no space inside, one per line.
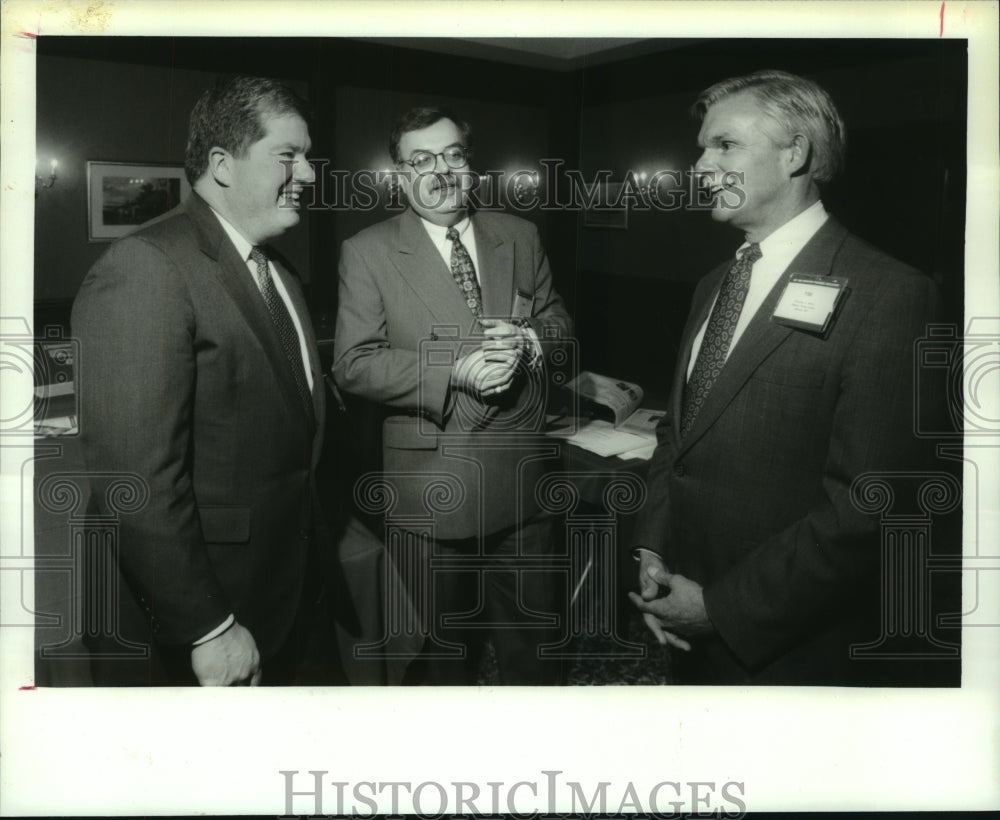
(604,213)
(121,196)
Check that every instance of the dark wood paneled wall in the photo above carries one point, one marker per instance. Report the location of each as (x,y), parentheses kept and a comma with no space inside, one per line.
(904,102)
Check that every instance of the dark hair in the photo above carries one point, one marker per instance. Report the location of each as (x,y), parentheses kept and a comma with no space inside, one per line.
(421,117)
(230,115)
(798,105)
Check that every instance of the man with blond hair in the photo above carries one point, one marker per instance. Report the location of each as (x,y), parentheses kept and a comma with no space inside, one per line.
(795,377)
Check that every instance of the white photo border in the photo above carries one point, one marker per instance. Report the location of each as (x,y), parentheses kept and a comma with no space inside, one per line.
(133,752)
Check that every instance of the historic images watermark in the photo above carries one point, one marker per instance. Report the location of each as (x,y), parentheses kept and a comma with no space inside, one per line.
(554,188)
(88,566)
(312,794)
(47,362)
(946,362)
(412,504)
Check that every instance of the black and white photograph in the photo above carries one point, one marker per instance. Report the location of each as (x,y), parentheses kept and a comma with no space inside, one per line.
(539,418)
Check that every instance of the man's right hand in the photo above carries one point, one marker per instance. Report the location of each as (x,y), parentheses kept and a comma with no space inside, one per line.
(228,659)
(648,587)
(650,567)
(486,371)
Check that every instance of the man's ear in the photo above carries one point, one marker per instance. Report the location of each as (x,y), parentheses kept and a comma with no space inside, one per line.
(220,166)
(799,155)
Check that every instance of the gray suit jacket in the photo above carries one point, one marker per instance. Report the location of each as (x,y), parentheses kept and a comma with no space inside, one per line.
(183,381)
(401,323)
(754,503)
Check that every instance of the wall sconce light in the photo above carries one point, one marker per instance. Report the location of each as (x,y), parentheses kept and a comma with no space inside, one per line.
(651,188)
(526,186)
(643,184)
(390,181)
(46,182)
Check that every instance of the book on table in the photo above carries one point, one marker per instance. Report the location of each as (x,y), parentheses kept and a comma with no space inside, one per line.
(611,421)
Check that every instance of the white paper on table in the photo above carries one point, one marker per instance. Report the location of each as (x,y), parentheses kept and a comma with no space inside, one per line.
(645,453)
(601,437)
(57,426)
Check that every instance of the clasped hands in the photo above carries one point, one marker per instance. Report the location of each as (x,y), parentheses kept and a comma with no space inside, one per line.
(489,370)
(671,605)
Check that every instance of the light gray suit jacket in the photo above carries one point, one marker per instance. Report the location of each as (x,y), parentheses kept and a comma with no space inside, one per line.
(401,323)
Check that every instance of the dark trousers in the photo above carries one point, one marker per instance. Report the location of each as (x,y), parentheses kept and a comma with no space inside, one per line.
(310,656)
(514,599)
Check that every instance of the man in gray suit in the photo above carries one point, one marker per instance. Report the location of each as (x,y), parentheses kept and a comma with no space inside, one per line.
(200,375)
(795,377)
(444,320)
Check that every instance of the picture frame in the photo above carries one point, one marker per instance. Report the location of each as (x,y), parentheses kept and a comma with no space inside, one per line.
(121,196)
(602,215)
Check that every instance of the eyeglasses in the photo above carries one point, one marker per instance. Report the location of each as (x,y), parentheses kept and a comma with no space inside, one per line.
(454,156)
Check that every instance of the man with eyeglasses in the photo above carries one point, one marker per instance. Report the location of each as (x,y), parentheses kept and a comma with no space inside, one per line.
(442,317)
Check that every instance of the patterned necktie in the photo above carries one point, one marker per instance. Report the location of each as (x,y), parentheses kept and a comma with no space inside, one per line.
(284,325)
(465,274)
(718,335)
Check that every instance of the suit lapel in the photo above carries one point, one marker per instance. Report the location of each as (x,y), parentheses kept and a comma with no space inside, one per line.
(426,274)
(762,335)
(496,268)
(234,276)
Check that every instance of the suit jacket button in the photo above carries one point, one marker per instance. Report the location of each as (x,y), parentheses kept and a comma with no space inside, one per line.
(679,469)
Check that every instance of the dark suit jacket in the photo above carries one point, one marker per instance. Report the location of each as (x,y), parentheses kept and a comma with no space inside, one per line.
(401,323)
(754,502)
(183,382)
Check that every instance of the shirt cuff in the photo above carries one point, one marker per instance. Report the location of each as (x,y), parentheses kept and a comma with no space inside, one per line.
(535,346)
(217,631)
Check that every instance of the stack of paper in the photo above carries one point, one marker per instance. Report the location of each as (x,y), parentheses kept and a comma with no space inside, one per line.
(602,438)
(55,409)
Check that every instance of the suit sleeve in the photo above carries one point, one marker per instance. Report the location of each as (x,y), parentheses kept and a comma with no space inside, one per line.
(651,527)
(808,573)
(549,318)
(365,363)
(137,379)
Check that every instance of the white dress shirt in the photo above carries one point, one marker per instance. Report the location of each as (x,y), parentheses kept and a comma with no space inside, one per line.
(777,252)
(243,248)
(439,236)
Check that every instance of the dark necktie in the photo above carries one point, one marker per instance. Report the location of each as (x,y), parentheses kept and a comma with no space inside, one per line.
(718,335)
(465,274)
(284,325)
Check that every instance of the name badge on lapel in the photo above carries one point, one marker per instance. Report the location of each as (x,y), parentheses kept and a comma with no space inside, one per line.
(810,302)
(523,303)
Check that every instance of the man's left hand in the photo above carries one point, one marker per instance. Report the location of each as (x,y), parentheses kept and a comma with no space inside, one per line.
(681,610)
